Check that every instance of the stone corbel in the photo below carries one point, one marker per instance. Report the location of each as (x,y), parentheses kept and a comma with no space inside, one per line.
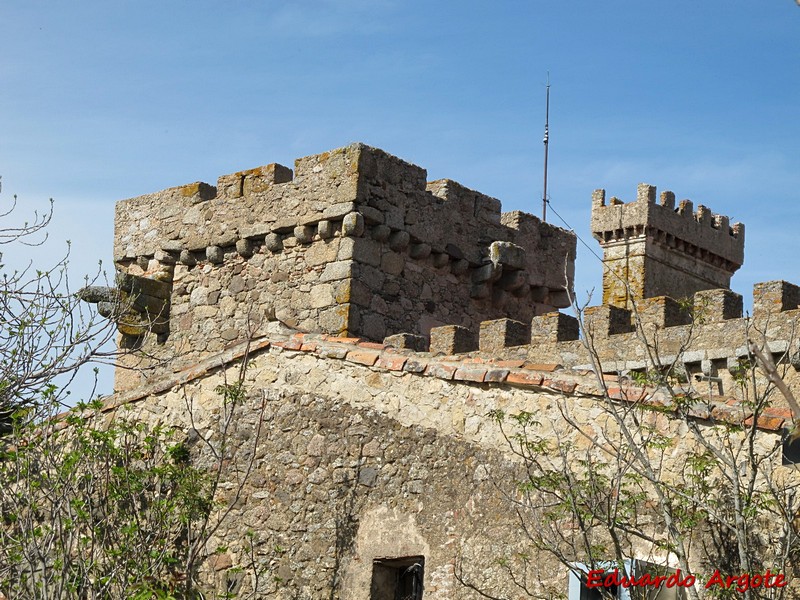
(137,305)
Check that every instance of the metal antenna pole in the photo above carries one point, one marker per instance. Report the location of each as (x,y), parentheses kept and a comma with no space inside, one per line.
(546,140)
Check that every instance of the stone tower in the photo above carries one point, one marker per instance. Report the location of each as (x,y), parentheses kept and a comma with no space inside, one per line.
(352,242)
(657,249)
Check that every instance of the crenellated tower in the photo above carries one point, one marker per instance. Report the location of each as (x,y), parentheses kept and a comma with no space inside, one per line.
(352,242)
(655,249)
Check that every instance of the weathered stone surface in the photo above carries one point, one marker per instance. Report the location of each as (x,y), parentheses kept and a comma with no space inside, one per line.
(244,247)
(214,254)
(362,442)
(353,224)
(304,233)
(399,240)
(407,341)
(507,254)
(502,333)
(187,258)
(452,339)
(420,251)
(325,229)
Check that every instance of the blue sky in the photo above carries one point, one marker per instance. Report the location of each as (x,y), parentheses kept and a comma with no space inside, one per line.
(101,101)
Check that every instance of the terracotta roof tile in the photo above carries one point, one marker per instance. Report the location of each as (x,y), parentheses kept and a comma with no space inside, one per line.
(363,357)
(522,378)
(467,373)
(440,370)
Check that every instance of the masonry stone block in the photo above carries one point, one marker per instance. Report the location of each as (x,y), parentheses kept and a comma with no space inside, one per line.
(371,214)
(502,333)
(399,240)
(244,247)
(273,242)
(712,306)
(554,327)
(187,258)
(381,232)
(513,280)
(603,321)
(662,311)
(325,229)
(407,341)
(338,210)
(452,339)
(440,259)
(507,254)
(336,270)
(367,251)
(392,263)
(488,272)
(420,251)
(353,224)
(460,267)
(774,297)
(304,233)
(214,254)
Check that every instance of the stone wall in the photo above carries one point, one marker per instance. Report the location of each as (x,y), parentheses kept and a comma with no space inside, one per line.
(354,242)
(705,340)
(369,453)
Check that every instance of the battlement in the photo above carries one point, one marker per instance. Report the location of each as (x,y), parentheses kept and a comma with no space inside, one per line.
(653,249)
(705,344)
(353,242)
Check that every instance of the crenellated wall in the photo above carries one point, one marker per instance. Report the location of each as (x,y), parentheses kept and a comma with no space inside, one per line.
(354,242)
(706,340)
(652,249)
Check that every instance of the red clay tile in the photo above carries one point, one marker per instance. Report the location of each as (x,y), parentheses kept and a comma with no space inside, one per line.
(289,344)
(372,345)
(341,340)
(767,423)
(496,375)
(441,371)
(392,362)
(522,378)
(547,367)
(786,413)
(562,386)
(510,364)
(414,365)
(363,357)
(466,373)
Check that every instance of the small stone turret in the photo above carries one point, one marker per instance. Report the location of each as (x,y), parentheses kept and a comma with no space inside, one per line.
(657,249)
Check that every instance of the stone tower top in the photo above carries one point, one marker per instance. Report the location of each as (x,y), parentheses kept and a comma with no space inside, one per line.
(659,249)
(353,241)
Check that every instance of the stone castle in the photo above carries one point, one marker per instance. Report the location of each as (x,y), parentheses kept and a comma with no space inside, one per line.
(382,317)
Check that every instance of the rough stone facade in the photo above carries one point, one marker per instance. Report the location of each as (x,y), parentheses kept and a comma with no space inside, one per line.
(354,242)
(382,319)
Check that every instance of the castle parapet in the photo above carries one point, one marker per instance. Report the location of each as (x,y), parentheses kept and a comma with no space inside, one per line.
(657,248)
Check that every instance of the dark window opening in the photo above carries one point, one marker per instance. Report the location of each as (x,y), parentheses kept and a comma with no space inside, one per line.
(791,448)
(397,578)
